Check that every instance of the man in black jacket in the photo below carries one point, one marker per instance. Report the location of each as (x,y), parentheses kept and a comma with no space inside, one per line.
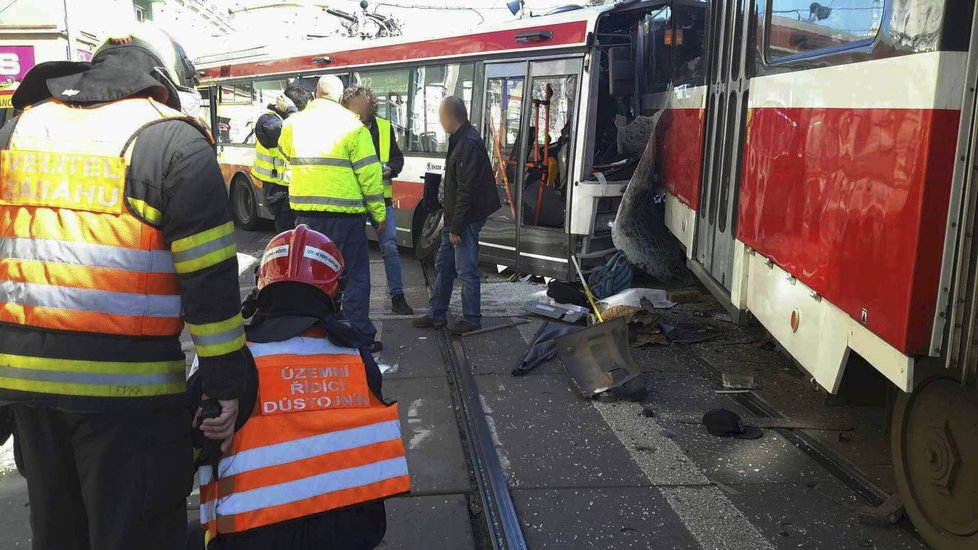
(468,195)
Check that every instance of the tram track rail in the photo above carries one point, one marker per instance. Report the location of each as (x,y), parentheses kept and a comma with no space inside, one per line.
(502,523)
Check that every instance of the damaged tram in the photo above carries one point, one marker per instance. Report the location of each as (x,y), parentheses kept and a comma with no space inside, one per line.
(550,94)
(819,173)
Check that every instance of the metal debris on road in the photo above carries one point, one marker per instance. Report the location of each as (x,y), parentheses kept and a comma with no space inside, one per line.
(598,358)
(636,298)
(542,346)
(567,313)
(495,328)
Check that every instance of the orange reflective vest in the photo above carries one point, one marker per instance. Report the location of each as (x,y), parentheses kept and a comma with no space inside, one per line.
(76,253)
(317,440)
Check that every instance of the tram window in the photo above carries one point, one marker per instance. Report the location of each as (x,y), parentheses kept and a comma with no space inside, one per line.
(689,44)
(658,50)
(547,165)
(432,84)
(392,90)
(797,27)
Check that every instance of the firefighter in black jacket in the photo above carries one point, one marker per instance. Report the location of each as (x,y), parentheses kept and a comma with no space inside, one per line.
(270,165)
(115,230)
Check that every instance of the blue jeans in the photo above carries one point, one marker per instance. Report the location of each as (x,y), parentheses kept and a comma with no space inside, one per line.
(350,235)
(463,262)
(392,256)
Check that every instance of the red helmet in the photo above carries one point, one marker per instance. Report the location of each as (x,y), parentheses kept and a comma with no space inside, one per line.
(301,256)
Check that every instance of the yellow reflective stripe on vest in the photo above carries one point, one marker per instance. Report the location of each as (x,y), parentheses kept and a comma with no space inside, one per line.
(147,212)
(91,378)
(204,249)
(222,337)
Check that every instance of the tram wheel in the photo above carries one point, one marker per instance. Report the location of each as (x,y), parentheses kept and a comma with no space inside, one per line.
(935,457)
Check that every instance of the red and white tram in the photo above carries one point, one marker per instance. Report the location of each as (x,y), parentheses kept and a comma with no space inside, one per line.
(835,204)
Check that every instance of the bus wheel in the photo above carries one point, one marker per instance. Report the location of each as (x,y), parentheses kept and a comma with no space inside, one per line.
(244,205)
(429,236)
(935,459)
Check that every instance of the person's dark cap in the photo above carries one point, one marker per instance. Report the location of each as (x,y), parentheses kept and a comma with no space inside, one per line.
(726,423)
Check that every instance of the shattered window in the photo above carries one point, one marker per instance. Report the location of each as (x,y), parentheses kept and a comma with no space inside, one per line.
(802,26)
(548,162)
(689,38)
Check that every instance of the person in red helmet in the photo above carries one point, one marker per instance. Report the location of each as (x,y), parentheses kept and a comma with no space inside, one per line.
(312,465)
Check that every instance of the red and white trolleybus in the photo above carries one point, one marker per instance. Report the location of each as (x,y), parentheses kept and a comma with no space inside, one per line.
(546,105)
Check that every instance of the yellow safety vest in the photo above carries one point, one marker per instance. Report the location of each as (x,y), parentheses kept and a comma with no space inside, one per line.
(77,254)
(270,164)
(384,135)
(333,162)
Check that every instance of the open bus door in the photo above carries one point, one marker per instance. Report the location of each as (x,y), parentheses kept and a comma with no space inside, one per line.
(726,112)
(529,127)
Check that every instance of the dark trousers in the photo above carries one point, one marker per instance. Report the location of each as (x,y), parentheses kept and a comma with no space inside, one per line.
(460,261)
(277,202)
(360,527)
(350,235)
(106,481)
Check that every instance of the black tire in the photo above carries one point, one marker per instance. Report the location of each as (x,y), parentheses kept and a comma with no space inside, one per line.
(429,235)
(6,423)
(244,204)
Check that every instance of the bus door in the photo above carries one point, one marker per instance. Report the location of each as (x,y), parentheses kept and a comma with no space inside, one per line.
(549,123)
(723,152)
(528,126)
(505,88)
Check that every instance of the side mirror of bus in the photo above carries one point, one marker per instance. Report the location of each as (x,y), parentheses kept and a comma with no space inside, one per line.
(621,71)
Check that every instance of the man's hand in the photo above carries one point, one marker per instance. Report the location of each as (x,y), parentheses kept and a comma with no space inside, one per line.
(387,171)
(283,103)
(381,228)
(455,239)
(222,427)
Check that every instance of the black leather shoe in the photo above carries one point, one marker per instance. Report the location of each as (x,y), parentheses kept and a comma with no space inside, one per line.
(375,347)
(463,327)
(428,322)
(400,306)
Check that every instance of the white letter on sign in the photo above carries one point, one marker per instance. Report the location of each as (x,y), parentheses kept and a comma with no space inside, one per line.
(9,64)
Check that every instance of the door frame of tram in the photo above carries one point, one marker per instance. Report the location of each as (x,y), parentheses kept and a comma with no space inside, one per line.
(508,238)
(723,151)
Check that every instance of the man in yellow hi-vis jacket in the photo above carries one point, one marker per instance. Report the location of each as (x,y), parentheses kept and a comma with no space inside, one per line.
(337,181)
